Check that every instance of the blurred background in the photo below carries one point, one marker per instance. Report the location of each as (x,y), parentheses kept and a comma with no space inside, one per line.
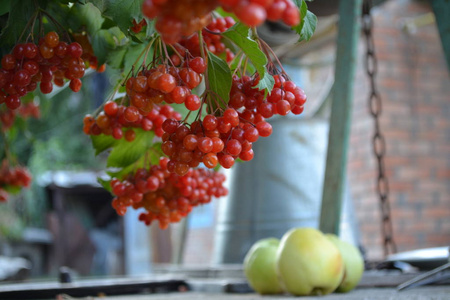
(66,218)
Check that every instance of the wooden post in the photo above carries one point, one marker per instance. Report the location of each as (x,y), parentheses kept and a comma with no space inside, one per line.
(340,119)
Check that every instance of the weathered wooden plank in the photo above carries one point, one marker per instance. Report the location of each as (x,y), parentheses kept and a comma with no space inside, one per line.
(340,119)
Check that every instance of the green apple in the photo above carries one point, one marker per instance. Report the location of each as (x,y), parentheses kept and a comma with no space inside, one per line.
(353,264)
(308,263)
(260,269)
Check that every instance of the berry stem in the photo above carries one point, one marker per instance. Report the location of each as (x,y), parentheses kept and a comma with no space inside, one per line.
(29,23)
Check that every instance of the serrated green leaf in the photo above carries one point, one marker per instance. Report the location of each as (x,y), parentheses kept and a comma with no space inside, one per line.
(308,22)
(219,78)
(125,153)
(150,157)
(239,34)
(150,30)
(88,16)
(103,41)
(309,26)
(132,54)
(20,13)
(105,184)
(102,143)
(123,12)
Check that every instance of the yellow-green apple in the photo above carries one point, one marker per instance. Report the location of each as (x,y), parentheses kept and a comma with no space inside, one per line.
(353,264)
(308,263)
(260,269)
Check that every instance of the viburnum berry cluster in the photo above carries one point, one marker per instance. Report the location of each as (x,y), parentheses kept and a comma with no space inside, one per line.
(25,111)
(220,139)
(119,120)
(47,63)
(15,177)
(88,55)
(212,37)
(178,18)
(255,12)
(165,196)
(167,83)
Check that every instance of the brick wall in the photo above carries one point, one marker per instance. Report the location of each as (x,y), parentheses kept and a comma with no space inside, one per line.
(414,84)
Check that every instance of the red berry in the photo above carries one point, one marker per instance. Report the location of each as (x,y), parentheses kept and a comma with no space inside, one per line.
(111,108)
(198,65)
(12,102)
(251,14)
(193,102)
(75,85)
(131,114)
(264,129)
(75,50)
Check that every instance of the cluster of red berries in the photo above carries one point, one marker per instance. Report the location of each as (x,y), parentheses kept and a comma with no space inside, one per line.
(118,120)
(215,140)
(25,111)
(222,139)
(166,83)
(12,176)
(30,64)
(165,196)
(255,12)
(285,97)
(178,18)
(88,52)
(137,27)
(211,37)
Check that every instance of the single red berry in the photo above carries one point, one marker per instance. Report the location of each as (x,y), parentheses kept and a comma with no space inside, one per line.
(264,128)
(51,39)
(12,102)
(198,65)
(111,108)
(131,114)
(75,85)
(75,50)
(46,87)
(130,135)
(193,102)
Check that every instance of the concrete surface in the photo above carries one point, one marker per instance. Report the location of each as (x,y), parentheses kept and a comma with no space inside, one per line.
(422,293)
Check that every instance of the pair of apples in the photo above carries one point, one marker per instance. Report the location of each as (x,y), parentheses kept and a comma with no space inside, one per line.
(304,262)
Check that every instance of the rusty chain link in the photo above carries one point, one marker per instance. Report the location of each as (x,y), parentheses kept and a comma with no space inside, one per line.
(378,141)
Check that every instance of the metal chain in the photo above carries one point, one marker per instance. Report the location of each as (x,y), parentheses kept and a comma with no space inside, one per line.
(378,141)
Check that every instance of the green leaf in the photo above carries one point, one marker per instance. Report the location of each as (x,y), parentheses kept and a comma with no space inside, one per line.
(19,14)
(125,153)
(123,12)
(115,58)
(308,22)
(309,26)
(132,54)
(105,184)
(87,15)
(239,34)
(100,4)
(103,41)
(102,142)
(5,6)
(150,157)
(12,189)
(219,78)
